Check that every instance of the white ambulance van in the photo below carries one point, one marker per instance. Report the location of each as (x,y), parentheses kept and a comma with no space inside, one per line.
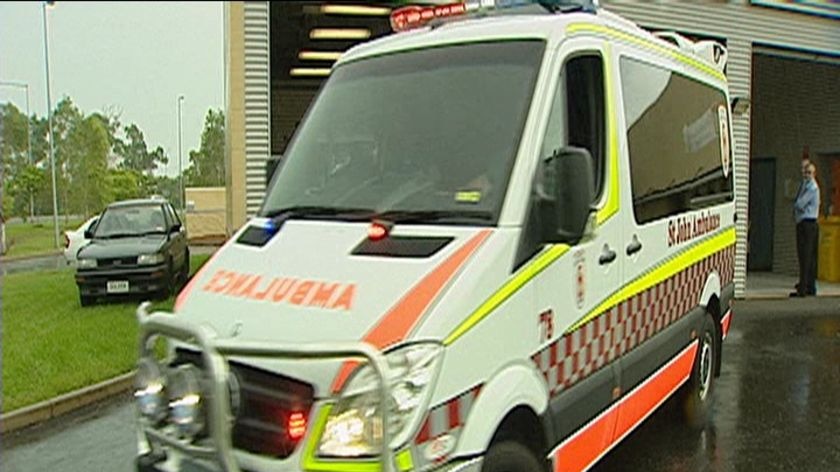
(499,240)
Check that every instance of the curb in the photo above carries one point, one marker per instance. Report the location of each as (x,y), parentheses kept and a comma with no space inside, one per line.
(43,411)
(27,257)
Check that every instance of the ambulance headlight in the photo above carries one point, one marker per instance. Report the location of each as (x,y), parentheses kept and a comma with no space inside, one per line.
(354,426)
(148,390)
(185,402)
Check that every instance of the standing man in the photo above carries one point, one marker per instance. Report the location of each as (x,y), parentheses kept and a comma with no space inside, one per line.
(805,210)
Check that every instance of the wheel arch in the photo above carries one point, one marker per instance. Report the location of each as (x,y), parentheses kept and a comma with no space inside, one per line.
(710,300)
(512,405)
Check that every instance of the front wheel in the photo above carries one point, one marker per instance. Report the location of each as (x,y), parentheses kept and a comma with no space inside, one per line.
(697,397)
(86,300)
(511,456)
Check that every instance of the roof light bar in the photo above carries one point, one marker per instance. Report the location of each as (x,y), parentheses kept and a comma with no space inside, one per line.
(410,17)
(339,33)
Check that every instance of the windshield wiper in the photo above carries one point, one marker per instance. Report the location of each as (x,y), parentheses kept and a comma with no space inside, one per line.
(320,213)
(430,216)
(116,236)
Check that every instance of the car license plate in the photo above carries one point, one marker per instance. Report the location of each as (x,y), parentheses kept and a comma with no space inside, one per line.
(118,286)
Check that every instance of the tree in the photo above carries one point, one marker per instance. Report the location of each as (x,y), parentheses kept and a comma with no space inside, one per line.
(208,162)
(88,146)
(124,184)
(135,154)
(14,155)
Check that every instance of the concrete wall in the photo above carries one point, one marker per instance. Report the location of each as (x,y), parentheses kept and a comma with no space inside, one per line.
(235,118)
(795,103)
(206,213)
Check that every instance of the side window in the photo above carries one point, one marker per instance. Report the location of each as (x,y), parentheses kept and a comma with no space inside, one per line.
(577,114)
(678,140)
(171,216)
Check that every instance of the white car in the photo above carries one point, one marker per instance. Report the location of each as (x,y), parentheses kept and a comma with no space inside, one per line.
(75,239)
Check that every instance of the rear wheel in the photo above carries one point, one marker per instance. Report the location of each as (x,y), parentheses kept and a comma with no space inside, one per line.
(511,456)
(697,396)
(185,268)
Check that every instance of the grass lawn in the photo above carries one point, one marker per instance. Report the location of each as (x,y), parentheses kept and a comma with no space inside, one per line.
(51,345)
(26,239)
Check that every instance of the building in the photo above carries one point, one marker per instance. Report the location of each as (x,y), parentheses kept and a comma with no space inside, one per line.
(783,69)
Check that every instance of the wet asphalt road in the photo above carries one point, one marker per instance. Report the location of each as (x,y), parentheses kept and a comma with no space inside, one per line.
(777,409)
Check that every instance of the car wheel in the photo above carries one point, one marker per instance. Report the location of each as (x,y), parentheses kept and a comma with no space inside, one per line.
(185,270)
(697,395)
(168,280)
(511,456)
(85,300)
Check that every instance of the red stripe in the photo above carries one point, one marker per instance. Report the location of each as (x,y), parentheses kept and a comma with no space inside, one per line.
(590,443)
(185,292)
(454,411)
(425,433)
(404,316)
(726,322)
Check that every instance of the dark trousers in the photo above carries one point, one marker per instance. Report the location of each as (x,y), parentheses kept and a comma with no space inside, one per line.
(807,236)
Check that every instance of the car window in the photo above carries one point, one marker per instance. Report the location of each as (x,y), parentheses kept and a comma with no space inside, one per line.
(128,221)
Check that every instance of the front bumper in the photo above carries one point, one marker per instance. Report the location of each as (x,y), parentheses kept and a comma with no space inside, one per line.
(141,280)
(218,452)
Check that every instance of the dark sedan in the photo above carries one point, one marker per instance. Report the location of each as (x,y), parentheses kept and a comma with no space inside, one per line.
(138,247)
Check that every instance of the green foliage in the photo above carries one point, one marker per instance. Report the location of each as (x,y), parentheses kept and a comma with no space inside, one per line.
(124,184)
(88,146)
(208,163)
(136,155)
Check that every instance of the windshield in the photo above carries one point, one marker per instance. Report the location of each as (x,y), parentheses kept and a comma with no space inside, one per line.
(428,132)
(131,221)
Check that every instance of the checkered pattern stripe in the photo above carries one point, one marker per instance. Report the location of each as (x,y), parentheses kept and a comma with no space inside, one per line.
(447,417)
(625,326)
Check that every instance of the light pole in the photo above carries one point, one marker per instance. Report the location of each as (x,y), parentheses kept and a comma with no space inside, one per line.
(49,118)
(25,86)
(181,195)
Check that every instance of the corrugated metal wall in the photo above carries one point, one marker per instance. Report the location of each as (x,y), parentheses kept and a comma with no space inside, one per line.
(257,105)
(741,25)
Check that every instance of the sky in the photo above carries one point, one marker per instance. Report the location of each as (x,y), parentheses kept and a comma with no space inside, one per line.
(135,58)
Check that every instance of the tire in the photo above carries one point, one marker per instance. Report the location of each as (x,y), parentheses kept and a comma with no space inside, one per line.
(168,281)
(511,456)
(698,395)
(185,270)
(86,300)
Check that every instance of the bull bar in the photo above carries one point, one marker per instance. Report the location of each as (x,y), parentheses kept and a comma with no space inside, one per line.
(214,351)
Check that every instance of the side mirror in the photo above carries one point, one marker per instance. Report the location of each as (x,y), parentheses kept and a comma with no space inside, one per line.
(175,228)
(569,186)
(88,234)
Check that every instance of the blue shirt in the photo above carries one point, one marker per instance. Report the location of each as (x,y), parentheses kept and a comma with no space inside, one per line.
(807,203)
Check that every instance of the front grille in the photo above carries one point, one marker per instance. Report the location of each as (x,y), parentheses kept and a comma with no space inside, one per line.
(266,401)
(117,262)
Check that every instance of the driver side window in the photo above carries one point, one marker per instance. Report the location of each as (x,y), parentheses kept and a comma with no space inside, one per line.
(577,115)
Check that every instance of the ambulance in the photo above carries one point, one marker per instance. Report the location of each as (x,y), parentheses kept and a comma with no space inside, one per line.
(499,240)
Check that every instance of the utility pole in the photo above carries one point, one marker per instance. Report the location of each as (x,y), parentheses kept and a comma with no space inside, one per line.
(181,194)
(49,118)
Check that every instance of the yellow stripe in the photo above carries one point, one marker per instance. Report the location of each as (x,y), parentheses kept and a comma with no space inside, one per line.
(699,65)
(508,289)
(404,461)
(611,208)
(670,268)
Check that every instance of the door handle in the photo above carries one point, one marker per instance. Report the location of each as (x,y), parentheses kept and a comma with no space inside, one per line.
(634,246)
(607,255)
